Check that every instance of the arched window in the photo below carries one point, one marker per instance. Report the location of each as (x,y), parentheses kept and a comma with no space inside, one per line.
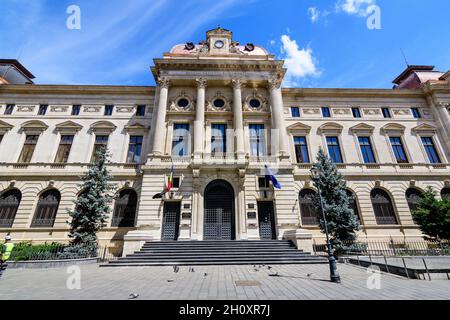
(46,209)
(383,208)
(308,212)
(9,203)
(445,194)
(413,197)
(125,209)
(352,203)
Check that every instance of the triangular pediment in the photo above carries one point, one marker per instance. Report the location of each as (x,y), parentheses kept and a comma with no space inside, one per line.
(69,125)
(424,127)
(34,125)
(103,126)
(299,127)
(136,127)
(330,126)
(362,127)
(393,127)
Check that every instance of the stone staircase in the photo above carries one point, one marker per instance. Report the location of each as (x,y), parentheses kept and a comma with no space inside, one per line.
(194,253)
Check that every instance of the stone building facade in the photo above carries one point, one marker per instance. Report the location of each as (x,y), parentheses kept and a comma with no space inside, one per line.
(218,116)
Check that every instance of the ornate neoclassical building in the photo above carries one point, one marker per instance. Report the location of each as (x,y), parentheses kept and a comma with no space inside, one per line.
(219,114)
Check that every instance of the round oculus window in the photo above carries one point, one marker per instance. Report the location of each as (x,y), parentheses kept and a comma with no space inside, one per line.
(219,44)
(219,103)
(255,103)
(183,103)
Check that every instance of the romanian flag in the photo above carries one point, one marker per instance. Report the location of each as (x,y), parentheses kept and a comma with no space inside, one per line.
(170,181)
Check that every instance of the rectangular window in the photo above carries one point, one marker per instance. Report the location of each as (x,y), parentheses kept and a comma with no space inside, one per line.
(42,109)
(28,148)
(9,109)
(416,113)
(257,140)
(218,138)
(295,112)
(366,149)
(301,150)
(263,183)
(76,110)
(181,140)
(334,149)
(176,182)
(101,142)
(326,112)
(386,112)
(135,149)
(431,150)
(356,112)
(109,110)
(398,149)
(140,111)
(64,149)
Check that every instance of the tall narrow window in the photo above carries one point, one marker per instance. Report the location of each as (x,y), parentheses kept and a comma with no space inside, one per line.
(257,140)
(326,112)
(431,150)
(301,150)
(386,112)
(135,149)
(308,212)
(181,140)
(9,109)
(416,113)
(46,209)
(28,148)
(76,110)
(383,208)
(9,203)
(64,149)
(109,110)
(398,149)
(356,113)
(101,142)
(42,109)
(295,112)
(140,111)
(366,149)
(125,209)
(334,149)
(218,138)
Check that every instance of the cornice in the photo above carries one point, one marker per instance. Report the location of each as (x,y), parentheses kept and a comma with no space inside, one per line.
(354,93)
(77,89)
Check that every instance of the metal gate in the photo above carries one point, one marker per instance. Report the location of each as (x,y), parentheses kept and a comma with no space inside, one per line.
(219,212)
(171,220)
(266,219)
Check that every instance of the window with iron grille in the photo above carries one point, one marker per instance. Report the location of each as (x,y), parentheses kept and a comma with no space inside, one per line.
(309,214)
(62,155)
(135,149)
(383,207)
(413,197)
(125,209)
(28,148)
(46,209)
(101,142)
(9,203)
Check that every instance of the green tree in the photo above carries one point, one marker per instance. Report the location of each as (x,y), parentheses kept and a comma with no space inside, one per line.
(91,208)
(433,215)
(342,222)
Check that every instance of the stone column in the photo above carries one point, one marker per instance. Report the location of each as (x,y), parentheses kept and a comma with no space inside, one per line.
(238,117)
(276,101)
(199,124)
(160,124)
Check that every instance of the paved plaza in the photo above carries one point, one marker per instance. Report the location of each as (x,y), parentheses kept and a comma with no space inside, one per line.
(291,282)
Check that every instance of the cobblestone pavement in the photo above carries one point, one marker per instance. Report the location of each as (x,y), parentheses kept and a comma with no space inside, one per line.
(294,282)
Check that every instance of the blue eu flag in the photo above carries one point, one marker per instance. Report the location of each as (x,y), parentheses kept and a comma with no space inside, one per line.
(270,176)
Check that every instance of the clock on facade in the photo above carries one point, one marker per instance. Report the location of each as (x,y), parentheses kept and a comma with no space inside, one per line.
(219,44)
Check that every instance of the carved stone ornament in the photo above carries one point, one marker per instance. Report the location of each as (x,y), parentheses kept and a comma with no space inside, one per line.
(59,108)
(264,103)
(175,107)
(275,82)
(401,112)
(371,111)
(164,83)
(201,83)
(311,110)
(25,108)
(125,109)
(91,109)
(341,111)
(219,95)
(237,83)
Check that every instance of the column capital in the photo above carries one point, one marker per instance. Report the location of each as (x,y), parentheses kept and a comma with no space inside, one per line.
(274,82)
(237,83)
(163,83)
(444,104)
(201,83)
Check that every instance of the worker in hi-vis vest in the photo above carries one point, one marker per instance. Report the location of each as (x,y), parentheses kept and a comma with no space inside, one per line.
(7,248)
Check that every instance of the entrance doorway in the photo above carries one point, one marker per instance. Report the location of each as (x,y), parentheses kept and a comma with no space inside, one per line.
(171,221)
(219,211)
(266,218)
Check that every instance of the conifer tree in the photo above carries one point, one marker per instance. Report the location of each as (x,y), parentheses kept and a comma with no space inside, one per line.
(342,222)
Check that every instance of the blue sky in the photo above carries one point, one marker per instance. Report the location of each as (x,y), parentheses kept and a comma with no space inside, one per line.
(325,43)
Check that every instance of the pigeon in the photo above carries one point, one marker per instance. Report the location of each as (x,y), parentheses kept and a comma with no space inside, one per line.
(205,274)
(274,275)
(269,267)
(176,269)
(256,270)
(191,269)
(169,280)
(133,296)
(309,275)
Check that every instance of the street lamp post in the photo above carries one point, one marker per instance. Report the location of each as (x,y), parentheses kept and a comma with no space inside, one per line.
(334,274)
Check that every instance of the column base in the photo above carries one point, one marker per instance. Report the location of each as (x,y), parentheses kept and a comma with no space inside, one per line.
(303,239)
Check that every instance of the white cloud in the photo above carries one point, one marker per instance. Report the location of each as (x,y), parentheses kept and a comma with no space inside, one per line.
(355,7)
(299,62)
(314,14)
